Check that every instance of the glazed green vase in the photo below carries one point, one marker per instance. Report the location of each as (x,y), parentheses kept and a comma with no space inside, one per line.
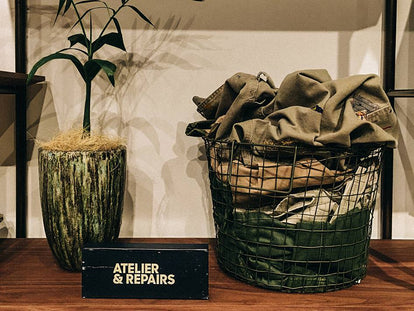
(81,196)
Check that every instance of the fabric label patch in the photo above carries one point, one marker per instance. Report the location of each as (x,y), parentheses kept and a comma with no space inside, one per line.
(363,107)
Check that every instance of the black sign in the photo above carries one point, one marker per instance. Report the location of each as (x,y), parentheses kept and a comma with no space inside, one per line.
(178,271)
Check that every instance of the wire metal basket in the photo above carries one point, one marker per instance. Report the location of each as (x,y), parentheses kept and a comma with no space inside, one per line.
(292,218)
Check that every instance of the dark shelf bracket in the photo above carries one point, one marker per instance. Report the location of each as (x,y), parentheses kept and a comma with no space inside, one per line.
(20,125)
(390,35)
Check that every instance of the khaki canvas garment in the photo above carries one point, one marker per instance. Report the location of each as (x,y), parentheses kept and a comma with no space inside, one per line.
(308,107)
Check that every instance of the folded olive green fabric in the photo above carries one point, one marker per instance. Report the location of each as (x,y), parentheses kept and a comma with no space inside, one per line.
(308,256)
(308,107)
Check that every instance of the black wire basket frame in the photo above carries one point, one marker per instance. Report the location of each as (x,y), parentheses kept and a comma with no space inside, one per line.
(293,218)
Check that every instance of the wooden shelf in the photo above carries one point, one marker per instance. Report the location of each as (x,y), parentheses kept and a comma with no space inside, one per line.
(401,93)
(30,279)
(13,79)
(15,83)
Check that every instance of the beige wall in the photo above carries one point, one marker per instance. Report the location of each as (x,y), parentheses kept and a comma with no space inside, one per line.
(7,35)
(196,47)
(403,203)
(7,168)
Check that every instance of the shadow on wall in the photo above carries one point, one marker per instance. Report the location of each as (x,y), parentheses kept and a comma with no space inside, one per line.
(405,112)
(35,99)
(133,79)
(257,15)
(7,152)
(193,167)
(260,15)
(339,16)
(211,15)
(404,58)
(155,59)
(270,15)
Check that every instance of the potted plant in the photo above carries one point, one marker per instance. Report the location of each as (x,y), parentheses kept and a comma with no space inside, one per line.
(82,176)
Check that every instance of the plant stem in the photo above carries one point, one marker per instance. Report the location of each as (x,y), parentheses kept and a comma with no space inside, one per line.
(87,108)
(87,111)
(90,53)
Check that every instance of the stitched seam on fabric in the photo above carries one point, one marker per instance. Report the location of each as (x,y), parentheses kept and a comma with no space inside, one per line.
(208,100)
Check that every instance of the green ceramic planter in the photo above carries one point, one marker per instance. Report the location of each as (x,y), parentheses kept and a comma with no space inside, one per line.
(81,195)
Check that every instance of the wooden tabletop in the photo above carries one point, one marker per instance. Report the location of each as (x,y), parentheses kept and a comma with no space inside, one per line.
(31,280)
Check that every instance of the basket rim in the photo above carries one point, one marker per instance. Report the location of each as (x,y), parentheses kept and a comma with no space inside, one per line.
(300,146)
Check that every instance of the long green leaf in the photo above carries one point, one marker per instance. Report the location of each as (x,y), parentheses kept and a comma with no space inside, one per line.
(100,1)
(91,69)
(79,38)
(61,4)
(57,55)
(93,66)
(117,25)
(140,14)
(72,49)
(113,38)
(68,3)
(88,1)
(89,10)
(109,68)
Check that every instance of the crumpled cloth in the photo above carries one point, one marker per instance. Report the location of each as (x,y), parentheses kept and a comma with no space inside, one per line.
(320,205)
(308,107)
(251,180)
(311,206)
(358,192)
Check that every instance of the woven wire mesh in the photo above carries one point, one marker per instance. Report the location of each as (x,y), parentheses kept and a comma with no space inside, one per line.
(293,219)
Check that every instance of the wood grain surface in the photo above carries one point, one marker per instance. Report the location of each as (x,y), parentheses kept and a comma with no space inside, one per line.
(30,279)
